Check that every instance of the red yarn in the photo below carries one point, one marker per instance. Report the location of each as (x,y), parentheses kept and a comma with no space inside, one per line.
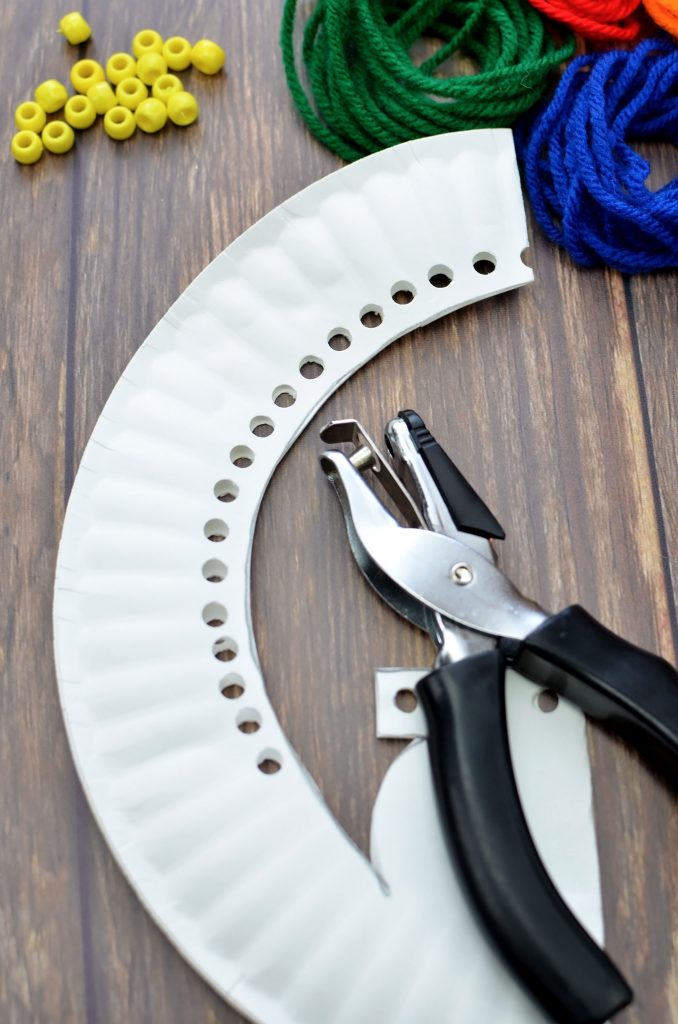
(603,20)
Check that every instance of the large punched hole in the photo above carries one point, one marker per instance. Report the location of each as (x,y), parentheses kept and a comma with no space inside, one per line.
(269,762)
(371,316)
(216,530)
(406,700)
(311,367)
(214,571)
(403,293)
(262,426)
(225,649)
(214,614)
(284,396)
(339,340)
(440,276)
(547,701)
(484,263)
(248,721)
(226,490)
(242,456)
(232,686)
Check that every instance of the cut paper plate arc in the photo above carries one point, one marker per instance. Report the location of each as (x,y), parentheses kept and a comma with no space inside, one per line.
(255,882)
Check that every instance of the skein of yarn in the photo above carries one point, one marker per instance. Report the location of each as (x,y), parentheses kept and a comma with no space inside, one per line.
(366,92)
(601,20)
(665,13)
(586,183)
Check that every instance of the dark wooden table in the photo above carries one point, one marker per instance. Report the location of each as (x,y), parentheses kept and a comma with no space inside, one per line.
(560,402)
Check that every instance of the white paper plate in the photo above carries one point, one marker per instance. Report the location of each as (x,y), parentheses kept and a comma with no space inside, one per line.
(246,872)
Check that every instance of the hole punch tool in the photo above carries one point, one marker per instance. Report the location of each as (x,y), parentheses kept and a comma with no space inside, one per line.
(440,572)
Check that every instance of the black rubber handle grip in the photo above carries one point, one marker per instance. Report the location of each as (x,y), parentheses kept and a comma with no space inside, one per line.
(610,679)
(489,840)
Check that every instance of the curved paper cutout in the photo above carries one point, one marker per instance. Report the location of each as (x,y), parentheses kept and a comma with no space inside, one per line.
(254,881)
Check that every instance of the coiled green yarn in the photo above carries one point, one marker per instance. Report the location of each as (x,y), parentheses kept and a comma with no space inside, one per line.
(366,93)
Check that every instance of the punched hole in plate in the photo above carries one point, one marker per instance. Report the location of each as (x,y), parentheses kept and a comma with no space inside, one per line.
(403,293)
(226,490)
(248,721)
(339,340)
(242,456)
(311,367)
(284,396)
(484,263)
(262,426)
(371,316)
(269,762)
(232,686)
(406,700)
(214,614)
(440,276)
(547,701)
(216,530)
(225,649)
(214,570)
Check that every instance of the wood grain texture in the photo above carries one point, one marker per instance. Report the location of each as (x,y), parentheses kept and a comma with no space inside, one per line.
(558,401)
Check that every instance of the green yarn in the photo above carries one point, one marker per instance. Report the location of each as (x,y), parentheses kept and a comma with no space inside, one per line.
(366,93)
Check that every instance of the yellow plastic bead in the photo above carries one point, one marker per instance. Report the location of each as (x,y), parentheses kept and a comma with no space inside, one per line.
(51,95)
(58,137)
(150,67)
(75,28)
(85,74)
(151,115)
(30,117)
(101,96)
(208,57)
(130,93)
(80,112)
(165,85)
(146,41)
(119,123)
(120,66)
(26,147)
(177,53)
(182,108)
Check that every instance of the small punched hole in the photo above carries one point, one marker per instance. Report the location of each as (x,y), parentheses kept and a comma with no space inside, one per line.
(232,686)
(248,721)
(339,341)
(119,63)
(214,614)
(440,276)
(269,762)
(406,700)
(78,104)
(214,571)
(547,701)
(117,116)
(403,293)
(371,316)
(175,46)
(242,456)
(226,490)
(262,426)
(225,649)
(284,396)
(484,263)
(216,530)
(311,367)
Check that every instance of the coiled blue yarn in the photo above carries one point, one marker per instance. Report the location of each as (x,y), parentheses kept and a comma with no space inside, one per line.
(586,183)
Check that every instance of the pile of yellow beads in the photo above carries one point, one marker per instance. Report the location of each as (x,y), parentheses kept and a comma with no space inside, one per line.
(119,92)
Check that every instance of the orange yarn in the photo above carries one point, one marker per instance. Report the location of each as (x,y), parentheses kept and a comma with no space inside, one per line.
(665,13)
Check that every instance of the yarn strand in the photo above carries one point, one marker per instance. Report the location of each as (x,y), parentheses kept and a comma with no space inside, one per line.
(586,183)
(365,92)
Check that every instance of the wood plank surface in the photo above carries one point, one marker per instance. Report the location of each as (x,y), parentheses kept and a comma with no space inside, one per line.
(559,401)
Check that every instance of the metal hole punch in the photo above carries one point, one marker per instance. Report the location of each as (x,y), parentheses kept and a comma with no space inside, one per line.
(438,569)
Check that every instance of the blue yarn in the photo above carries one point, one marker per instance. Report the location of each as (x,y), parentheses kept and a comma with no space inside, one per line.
(586,183)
